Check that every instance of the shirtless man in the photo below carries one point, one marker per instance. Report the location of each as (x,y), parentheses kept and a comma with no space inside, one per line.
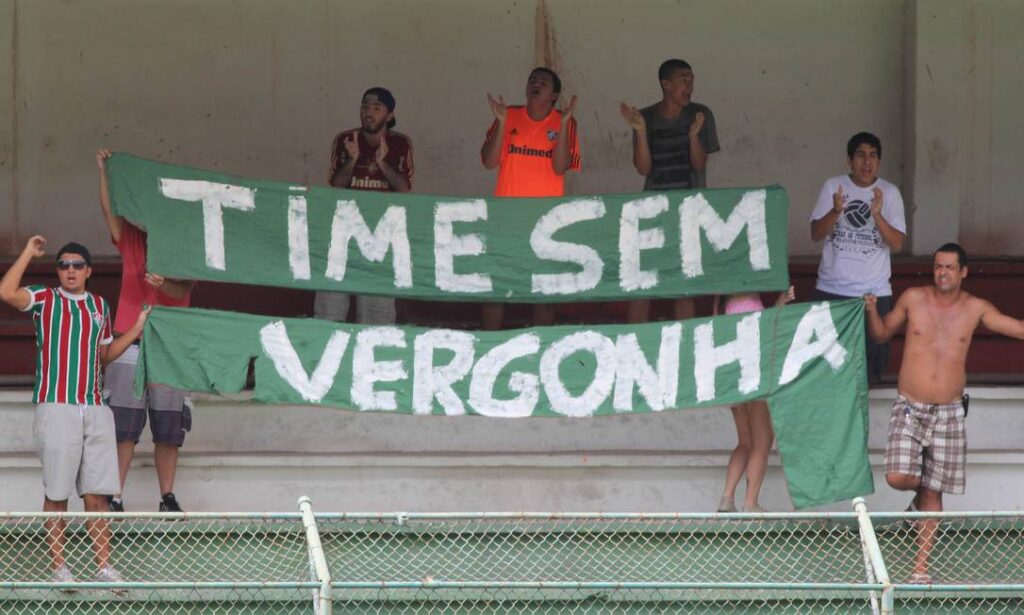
(927,445)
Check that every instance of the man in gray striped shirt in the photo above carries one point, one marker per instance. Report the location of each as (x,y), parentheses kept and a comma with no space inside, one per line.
(671,143)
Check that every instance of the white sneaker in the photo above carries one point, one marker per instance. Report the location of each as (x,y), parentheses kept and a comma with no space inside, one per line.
(63,575)
(109,574)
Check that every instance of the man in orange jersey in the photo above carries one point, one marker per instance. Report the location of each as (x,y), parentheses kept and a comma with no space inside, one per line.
(533,145)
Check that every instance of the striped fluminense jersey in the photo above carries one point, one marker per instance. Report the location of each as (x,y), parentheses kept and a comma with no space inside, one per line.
(69,332)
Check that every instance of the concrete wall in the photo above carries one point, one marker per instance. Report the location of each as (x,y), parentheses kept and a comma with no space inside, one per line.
(260,88)
(990,220)
(967,130)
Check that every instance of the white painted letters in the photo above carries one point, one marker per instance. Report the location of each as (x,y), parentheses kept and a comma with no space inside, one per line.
(367,370)
(431,382)
(487,369)
(815,336)
(214,198)
(277,346)
(660,388)
(632,241)
(391,232)
(746,349)
(298,238)
(587,258)
(559,397)
(696,214)
(448,245)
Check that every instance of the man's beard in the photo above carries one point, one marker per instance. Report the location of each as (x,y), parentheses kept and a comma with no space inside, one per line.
(371,129)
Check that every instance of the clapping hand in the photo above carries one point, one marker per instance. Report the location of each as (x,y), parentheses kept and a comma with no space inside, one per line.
(697,124)
(837,200)
(352,146)
(498,107)
(633,117)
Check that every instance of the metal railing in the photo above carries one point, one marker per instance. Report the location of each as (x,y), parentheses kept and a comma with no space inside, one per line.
(518,563)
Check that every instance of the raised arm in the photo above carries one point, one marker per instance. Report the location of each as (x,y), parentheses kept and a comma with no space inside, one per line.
(113,222)
(882,329)
(561,158)
(11,291)
(490,152)
(1000,323)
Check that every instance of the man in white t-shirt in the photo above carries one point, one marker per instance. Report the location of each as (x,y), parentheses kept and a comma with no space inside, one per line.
(860,217)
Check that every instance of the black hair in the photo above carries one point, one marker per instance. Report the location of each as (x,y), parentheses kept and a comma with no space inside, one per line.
(386,98)
(954,248)
(669,66)
(75,248)
(555,81)
(860,138)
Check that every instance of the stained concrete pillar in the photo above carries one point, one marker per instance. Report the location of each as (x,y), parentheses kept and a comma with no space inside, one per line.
(937,102)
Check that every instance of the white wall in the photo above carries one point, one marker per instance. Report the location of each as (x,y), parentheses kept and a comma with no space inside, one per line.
(260,88)
(990,202)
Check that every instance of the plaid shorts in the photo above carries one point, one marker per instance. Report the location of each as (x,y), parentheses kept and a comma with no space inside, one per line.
(930,441)
(169,410)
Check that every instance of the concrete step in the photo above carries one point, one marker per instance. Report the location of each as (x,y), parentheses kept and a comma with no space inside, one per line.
(246,456)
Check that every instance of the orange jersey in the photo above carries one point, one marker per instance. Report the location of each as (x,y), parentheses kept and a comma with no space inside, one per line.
(526,150)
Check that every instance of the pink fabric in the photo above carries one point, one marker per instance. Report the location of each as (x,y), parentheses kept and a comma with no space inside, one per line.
(135,292)
(743,304)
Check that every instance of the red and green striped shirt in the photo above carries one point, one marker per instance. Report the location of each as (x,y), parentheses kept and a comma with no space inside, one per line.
(69,332)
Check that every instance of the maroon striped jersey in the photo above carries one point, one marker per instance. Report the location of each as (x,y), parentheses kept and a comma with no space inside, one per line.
(69,332)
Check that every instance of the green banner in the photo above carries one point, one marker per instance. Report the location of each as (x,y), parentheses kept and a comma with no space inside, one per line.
(806,359)
(210,226)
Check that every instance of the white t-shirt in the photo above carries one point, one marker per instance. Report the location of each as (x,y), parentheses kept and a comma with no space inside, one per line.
(855,258)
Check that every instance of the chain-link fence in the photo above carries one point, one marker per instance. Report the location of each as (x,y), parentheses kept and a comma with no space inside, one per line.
(163,563)
(521,563)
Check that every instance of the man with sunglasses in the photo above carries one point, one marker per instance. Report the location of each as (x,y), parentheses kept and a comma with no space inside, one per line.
(73,430)
(169,410)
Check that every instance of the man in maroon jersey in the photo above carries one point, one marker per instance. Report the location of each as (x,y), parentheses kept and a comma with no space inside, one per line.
(73,430)
(371,157)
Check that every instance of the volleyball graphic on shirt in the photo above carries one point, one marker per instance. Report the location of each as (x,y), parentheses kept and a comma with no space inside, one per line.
(857,213)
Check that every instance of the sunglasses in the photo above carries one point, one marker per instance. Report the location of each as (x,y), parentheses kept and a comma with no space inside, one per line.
(77,265)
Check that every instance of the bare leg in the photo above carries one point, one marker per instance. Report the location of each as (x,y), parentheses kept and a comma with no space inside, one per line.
(761,436)
(683,308)
(99,529)
(491,316)
(55,531)
(740,454)
(125,452)
(543,314)
(165,457)
(927,501)
(924,500)
(903,482)
(638,311)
